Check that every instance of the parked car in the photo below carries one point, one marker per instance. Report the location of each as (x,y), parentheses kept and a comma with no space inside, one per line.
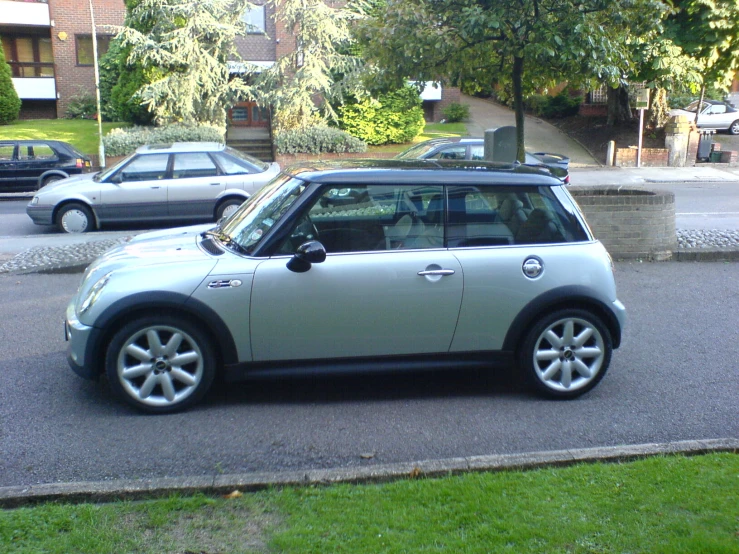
(714,114)
(456,148)
(31,164)
(186,181)
(434,266)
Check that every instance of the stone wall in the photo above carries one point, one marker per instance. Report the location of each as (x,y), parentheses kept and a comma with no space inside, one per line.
(630,222)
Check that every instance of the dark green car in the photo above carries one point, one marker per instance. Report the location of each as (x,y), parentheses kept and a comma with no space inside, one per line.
(31,164)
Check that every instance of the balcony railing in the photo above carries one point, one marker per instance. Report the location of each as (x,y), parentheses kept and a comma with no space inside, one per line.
(31,69)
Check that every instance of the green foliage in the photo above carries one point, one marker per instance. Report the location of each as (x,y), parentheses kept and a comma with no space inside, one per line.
(125,103)
(561,105)
(395,117)
(179,52)
(110,70)
(82,105)
(123,141)
(317,140)
(456,112)
(10,104)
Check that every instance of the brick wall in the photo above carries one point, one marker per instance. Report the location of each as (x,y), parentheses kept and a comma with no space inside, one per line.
(449,95)
(259,47)
(650,157)
(73,18)
(630,222)
(38,109)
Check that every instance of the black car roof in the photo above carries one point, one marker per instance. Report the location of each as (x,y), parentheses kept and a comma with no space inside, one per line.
(421,171)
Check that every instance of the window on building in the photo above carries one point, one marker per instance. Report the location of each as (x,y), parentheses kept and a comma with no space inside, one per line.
(84,48)
(255,19)
(28,55)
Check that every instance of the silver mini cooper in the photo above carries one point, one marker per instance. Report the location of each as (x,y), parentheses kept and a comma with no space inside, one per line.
(356,266)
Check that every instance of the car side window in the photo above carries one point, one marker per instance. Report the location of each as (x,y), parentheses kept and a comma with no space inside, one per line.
(477,152)
(365,218)
(499,215)
(6,152)
(39,151)
(193,164)
(149,167)
(233,166)
(452,153)
(718,109)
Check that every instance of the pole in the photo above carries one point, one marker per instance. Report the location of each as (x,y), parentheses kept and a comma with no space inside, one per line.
(101,146)
(641,129)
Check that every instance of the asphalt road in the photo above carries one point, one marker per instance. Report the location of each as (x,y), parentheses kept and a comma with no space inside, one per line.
(674,378)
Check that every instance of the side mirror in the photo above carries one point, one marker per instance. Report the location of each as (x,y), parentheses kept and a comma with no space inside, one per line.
(308,253)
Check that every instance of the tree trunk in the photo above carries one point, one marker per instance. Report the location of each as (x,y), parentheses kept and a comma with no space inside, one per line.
(619,109)
(659,112)
(518,107)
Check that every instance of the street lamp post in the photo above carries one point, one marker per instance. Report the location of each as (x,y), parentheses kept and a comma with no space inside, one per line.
(101,146)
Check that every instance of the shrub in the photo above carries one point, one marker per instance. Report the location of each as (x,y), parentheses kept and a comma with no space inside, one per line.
(10,104)
(395,117)
(123,141)
(81,106)
(561,105)
(455,112)
(317,140)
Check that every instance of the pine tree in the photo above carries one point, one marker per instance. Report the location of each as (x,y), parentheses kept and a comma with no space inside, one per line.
(184,50)
(10,104)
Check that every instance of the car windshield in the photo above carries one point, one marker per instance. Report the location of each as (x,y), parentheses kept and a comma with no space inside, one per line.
(247,158)
(262,211)
(415,152)
(105,173)
(693,106)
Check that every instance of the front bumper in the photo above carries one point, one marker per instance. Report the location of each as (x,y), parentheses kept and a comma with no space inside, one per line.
(41,215)
(80,350)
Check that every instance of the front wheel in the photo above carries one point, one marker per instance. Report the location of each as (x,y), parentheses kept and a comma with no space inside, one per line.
(227,207)
(75,218)
(566,353)
(160,364)
(734,128)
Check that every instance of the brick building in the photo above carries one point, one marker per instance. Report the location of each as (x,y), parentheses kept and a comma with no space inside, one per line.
(48,44)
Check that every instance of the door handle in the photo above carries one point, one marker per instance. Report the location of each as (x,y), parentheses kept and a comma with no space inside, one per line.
(441,272)
(214,184)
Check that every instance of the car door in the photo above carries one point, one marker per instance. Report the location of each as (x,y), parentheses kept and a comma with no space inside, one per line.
(137,191)
(194,187)
(7,164)
(387,286)
(33,159)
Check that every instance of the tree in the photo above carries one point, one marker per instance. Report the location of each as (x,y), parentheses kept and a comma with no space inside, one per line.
(543,39)
(183,51)
(10,104)
(301,85)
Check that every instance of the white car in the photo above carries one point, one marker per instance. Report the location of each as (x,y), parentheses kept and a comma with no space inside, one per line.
(186,181)
(713,115)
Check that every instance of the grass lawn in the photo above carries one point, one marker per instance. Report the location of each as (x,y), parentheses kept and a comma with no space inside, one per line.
(81,133)
(657,505)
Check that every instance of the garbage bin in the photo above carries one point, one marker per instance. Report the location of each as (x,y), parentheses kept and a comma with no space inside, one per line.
(704,145)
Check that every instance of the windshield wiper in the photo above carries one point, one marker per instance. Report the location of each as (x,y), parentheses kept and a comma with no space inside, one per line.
(225,239)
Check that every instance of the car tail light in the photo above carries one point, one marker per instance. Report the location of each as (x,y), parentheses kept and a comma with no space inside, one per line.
(567,179)
(80,162)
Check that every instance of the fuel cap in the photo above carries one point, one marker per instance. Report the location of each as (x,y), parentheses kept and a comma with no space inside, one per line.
(532,267)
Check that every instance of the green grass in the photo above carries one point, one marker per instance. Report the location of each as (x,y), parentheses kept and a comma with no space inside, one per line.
(81,133)
(431,130)
(658,505)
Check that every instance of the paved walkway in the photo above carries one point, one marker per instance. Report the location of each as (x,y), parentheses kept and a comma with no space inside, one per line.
(539,135)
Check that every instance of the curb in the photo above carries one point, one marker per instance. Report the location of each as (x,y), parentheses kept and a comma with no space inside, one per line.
(706,255)
(111,491)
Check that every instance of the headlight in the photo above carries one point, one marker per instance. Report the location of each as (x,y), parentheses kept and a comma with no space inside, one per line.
(34,201)
(94,293)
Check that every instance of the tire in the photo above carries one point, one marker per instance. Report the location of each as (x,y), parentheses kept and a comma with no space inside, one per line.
(734,128)
(566,353)
(160,364)
(227,207)
(50,179)
(75,218)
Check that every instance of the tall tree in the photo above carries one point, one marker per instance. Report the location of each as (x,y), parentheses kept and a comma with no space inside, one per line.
(536,39)
(303,83)
(10,104)
(188,45)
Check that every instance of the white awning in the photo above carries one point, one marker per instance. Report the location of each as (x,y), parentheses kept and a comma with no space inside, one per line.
(249,66)
(431,90)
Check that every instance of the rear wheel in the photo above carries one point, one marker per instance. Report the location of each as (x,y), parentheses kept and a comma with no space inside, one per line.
(734,128)
(50,179)
(75,218)
(227,207)
(160,364)
(566,353)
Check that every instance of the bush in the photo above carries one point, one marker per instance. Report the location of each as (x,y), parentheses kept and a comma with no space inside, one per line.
(395,117)
(10,104)
(561,105)
(455,112)
(82,106)
(317,140)
(123,141)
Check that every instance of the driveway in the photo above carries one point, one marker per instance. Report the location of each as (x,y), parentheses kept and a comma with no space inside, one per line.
(539,135)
